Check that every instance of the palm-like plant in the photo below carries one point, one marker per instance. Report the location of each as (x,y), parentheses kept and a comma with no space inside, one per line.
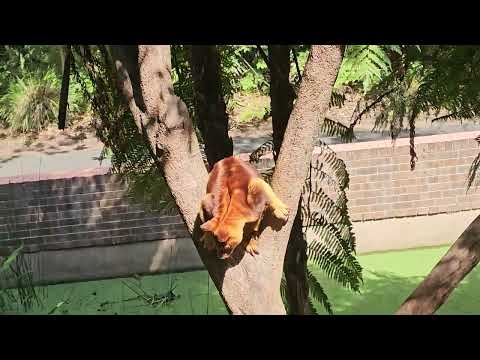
(30,104)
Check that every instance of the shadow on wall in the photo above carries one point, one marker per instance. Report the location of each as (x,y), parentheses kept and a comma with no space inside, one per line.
(79,213)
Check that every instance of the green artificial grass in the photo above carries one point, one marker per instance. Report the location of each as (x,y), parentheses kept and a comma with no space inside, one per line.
(388,279)
(196,295)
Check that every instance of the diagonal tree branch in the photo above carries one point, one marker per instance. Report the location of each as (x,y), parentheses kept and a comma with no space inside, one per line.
(264,56)
(370,106)
(434,290)
(444,117)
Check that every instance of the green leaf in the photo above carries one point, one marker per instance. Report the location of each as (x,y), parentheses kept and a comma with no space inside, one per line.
(4,266)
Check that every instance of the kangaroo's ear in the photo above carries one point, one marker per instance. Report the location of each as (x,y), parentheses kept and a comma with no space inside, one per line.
(209,225)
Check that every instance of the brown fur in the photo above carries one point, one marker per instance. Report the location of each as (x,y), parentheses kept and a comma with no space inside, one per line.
(236,196)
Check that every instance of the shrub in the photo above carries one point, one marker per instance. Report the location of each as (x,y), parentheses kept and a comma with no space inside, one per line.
(31,103)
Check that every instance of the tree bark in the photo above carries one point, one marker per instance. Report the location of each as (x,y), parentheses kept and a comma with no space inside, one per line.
(247,285)
(434,290)
(281,92)
(295,268)
(281,104)
(63,102)
(210,108)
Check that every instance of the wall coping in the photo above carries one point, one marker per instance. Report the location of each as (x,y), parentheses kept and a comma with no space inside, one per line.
(100,170)
(376,144)
(466,135)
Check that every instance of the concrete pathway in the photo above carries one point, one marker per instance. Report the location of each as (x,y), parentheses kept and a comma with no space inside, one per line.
(35,163)
(71,160)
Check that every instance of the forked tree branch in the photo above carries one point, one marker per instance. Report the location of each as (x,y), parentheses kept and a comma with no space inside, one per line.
(247,285)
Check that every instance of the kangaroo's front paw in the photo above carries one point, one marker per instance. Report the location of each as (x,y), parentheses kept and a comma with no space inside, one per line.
(280,211)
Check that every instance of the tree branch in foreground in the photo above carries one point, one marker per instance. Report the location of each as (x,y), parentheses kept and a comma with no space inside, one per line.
(459,260)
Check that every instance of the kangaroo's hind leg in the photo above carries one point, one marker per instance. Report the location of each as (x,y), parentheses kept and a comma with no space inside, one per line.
(206,214)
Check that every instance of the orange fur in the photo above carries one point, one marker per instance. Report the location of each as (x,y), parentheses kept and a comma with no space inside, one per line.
(236,196)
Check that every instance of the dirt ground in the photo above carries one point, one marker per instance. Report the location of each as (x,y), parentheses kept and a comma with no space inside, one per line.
(424,126)
(79,135)
(247,122)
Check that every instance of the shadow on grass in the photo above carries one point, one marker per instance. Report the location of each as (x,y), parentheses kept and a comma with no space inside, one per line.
(196,295)
(383,292)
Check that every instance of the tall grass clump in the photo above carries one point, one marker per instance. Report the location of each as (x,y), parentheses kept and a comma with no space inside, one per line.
(24,295)
(31,103)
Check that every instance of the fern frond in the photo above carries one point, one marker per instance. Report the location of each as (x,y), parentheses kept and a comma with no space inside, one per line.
(472,172)
(411,123)
(263,149)
(283,292)
(151,189)
(328,233)
(333,128)
(329,180)
(339,272)
(323,203)
(312,307)
(316,292)
(337,99)
(267,174)
(328,157)
(344,269)
(204,155)
(365,64)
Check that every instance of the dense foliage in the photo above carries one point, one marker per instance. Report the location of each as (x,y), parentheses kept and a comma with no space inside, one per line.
(30,78)
(402,82)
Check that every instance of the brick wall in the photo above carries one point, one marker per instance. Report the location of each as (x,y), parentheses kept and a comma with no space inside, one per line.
(383,186)
(63,211)
(72,212)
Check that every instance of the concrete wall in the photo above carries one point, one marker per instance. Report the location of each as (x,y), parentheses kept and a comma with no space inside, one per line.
(177,255)
(102,262)
(411,232)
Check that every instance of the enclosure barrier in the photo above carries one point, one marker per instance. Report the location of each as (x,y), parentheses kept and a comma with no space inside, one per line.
(83,225)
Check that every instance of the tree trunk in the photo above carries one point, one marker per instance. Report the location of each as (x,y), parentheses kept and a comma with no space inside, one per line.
(281,92)
(281,104)
(63,102)
(434,290)
(295,268)
(210,108)
(248,285)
